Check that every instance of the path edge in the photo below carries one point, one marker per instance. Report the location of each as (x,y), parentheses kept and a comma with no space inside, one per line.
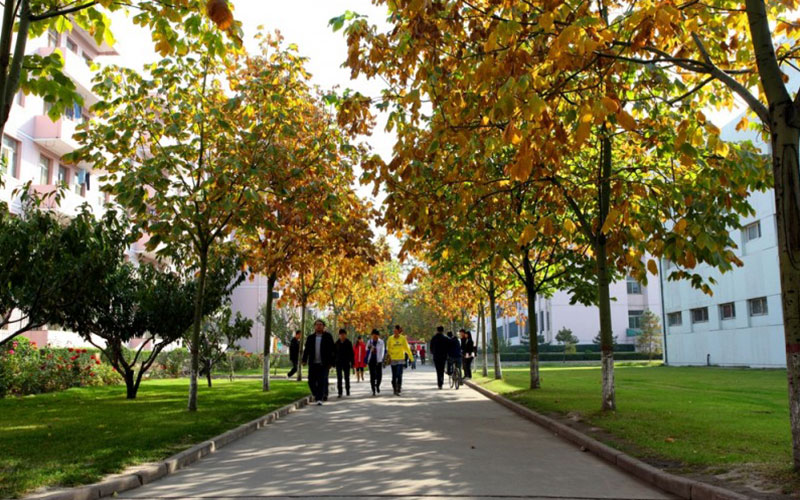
(140,475)
(682,487)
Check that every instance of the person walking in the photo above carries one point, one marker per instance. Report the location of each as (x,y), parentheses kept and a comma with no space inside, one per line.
(319,356)
(453,353)
(375,354)
(398,348)
(467,352)
(359,355)
(294,353)
(440,346)
(422,354)
(344,361)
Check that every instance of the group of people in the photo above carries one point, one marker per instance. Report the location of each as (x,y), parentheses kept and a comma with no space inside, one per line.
(321,353)
(449,352)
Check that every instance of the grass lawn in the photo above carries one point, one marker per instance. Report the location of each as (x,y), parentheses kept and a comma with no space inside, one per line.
(78,436)
(709,420)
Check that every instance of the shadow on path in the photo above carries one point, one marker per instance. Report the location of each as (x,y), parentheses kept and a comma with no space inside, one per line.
(428,443)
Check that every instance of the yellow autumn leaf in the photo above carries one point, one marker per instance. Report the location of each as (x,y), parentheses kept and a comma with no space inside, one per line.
(680,226)
(569,226)
(610,220)
(652,266)
(528,234)
(610,104)
(626,121)
(582,133)
(546,21)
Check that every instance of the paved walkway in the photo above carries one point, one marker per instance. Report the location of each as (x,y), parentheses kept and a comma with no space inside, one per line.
(426,443)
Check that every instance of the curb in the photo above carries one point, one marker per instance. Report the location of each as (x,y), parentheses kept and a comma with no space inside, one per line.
(689,489)
(144,474)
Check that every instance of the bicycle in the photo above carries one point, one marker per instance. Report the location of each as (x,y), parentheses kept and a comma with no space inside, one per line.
(455,376)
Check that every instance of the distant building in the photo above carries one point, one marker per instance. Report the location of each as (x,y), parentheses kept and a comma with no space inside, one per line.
(629,301)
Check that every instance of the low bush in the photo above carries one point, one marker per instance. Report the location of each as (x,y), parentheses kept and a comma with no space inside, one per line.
(27,369)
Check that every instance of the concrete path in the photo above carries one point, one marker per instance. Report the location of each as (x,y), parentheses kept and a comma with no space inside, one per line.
(426,443)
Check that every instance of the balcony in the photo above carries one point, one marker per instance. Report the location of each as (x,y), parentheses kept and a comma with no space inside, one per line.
(70,202)
(76,68)
(55,136)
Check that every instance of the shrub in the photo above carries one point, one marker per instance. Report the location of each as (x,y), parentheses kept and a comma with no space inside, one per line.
(26,369)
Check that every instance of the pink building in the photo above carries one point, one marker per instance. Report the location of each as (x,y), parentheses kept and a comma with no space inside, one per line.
(33,145)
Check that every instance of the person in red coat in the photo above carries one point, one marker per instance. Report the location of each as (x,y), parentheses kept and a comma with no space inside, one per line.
(359,353)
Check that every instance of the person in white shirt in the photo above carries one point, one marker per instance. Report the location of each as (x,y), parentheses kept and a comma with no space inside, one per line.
(375,353)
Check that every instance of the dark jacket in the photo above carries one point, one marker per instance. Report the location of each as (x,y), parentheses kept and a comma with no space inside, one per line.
(440,345)
(454,350)
(294,350)
(467,347)
(327,348)
(345,357)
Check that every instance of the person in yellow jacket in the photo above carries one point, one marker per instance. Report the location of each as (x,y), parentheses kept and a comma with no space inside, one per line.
(397,347)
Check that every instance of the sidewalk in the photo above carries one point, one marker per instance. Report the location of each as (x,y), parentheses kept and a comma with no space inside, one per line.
(426,443)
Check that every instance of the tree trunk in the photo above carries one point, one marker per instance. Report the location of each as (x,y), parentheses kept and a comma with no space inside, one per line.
(268,331)
(784,126)
(198,318)
(208,375)
(533,337)
(11,69)
(786,169)
(130,384)
(482,333)
(302,336)
(603,293)
(498,370)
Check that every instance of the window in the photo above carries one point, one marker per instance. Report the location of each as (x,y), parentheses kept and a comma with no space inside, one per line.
(74,112)
(727,311)
(79,185)
(635,319)
(71,45)
(758,307)
(700,315)
(87,58)
(752,231)
(63,176)
(675,319)
(52,38)
(634,287)
(9,155)
(548,321)
(541,321)
(44,170)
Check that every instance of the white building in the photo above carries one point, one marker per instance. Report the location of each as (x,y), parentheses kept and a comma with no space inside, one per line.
(629,301)
(742,323)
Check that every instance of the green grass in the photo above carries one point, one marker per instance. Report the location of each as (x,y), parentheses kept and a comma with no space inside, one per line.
(78,436)
(711,419)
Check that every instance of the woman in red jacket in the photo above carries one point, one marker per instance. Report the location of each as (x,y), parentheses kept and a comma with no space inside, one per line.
(360,352)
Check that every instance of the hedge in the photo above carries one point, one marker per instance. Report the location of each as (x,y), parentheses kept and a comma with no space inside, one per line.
(560,348)
(578,356)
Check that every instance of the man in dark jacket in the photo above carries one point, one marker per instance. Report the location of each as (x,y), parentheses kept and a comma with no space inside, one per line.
(453,352)
(345,359)
(294,353)
(440,346)
(319,355)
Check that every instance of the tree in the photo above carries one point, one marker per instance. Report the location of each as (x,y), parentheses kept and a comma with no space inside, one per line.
(169,143)
(649,341)
(521,85)
(565,337)
(43,75)
(710,54)
(47,262)
(221,331)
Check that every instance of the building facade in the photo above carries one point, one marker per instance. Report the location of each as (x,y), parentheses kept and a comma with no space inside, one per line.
(33,145)
(741,324)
